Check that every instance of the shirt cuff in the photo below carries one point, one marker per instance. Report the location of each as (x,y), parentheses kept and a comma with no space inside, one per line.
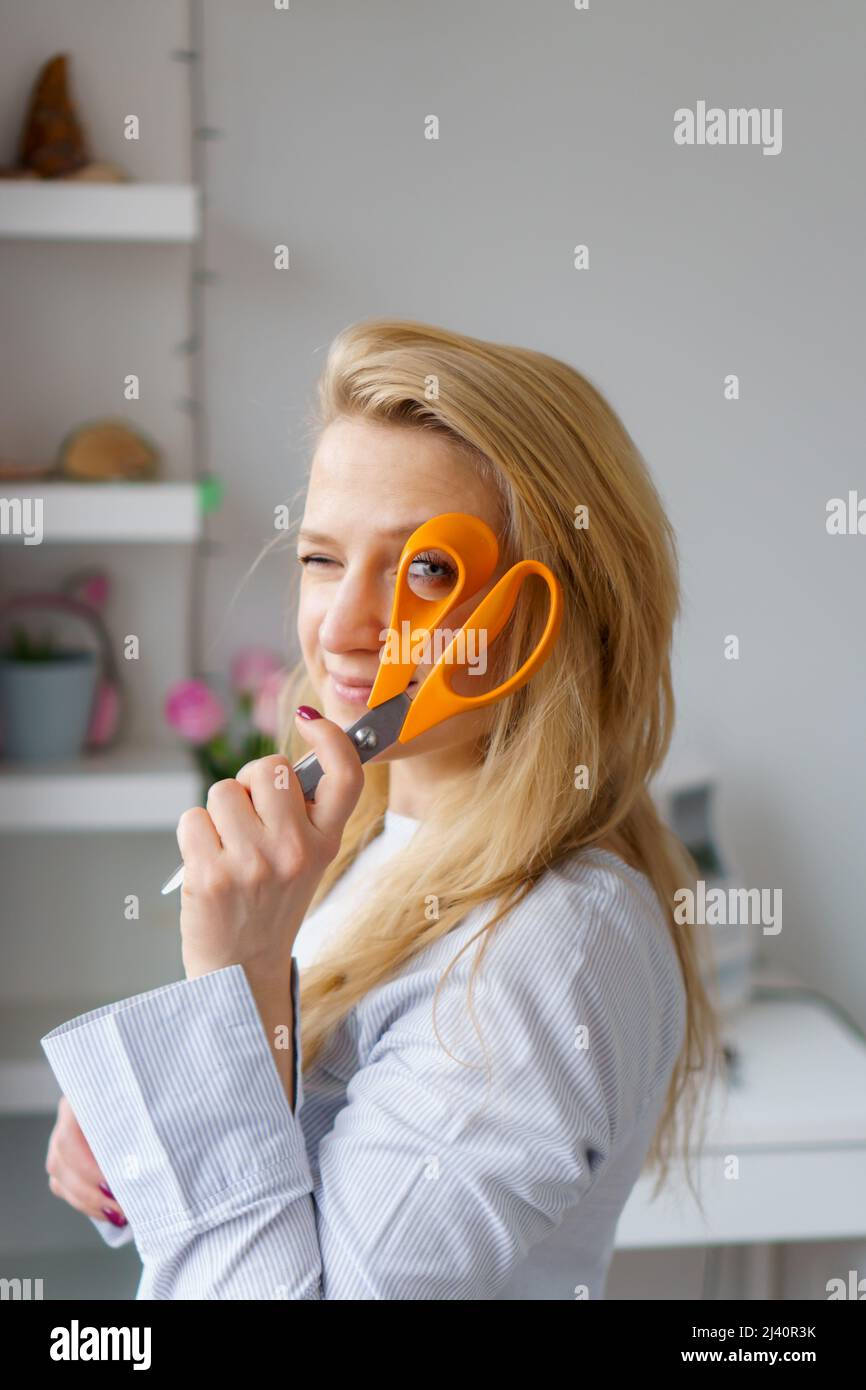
(177,1092)
(111,1234)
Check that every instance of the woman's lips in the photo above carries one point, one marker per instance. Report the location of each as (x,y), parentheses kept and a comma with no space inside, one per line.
(359,694)
(351,694)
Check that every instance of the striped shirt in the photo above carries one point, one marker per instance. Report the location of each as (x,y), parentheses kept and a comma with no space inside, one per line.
(402,1172)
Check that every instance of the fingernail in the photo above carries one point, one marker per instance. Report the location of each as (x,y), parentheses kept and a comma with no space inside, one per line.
(107,1190)
(114,1217)
(307,712)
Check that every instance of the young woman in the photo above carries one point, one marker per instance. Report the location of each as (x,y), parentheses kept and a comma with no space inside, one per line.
(435,1023)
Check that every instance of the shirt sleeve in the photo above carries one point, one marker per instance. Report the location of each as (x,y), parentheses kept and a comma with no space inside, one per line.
(433,1181)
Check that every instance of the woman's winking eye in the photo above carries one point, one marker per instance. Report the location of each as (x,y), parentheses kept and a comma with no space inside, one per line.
(314,560)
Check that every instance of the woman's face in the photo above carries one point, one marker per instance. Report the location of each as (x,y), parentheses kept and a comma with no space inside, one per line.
(371,486)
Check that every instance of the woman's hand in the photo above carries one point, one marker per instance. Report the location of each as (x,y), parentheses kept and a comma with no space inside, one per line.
(74,1173)
(254,857)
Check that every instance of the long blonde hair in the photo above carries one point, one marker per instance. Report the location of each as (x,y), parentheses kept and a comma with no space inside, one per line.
(548,442)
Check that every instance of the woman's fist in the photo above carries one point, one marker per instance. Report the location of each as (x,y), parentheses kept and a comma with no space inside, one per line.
(254,856)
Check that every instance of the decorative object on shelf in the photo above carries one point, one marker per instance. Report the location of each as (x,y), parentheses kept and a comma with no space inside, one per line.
(223,740)
(101,451)
(55,701)
(105,450)
(108,450)
(53,143)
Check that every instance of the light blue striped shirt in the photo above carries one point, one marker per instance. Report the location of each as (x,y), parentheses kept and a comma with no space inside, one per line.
(400,1174)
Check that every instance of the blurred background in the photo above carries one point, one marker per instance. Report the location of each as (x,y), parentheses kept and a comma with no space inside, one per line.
(195,198)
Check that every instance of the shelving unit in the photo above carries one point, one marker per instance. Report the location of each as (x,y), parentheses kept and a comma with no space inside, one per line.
(130,787)
(67,210)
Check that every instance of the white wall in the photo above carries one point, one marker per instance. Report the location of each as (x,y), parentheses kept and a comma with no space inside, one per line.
(556,128)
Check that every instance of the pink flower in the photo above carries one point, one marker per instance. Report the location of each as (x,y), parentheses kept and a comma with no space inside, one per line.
(265,711)
(251,668)
(90,587)
(95,591)
(193,709)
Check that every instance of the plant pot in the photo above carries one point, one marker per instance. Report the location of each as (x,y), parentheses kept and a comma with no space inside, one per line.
(45,706)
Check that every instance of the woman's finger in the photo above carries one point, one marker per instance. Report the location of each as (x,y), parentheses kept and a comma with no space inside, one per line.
(231,809)
(340,788)
(83,1196)
(197,836)
(275,791)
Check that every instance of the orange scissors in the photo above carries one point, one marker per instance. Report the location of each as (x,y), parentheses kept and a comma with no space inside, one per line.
(395,718)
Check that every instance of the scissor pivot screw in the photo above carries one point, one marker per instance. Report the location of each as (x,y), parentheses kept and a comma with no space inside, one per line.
(366,737)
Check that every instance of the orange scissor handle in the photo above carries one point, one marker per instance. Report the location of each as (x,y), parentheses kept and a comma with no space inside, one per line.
(436,700)
(473,547)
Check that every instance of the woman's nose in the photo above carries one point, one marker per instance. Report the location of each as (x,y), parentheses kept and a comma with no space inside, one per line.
(354,620)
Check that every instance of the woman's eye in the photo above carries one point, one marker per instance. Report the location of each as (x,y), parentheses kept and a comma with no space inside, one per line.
(314,560)
(432,570)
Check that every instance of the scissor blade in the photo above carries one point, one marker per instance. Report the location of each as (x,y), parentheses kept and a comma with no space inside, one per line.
(376,730)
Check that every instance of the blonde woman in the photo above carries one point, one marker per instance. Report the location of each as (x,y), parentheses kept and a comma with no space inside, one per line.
(435,1023)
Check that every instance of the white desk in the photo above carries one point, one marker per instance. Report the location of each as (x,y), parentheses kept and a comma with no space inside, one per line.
(796,1121)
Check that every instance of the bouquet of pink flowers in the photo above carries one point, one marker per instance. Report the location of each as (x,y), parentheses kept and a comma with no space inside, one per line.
(221,740)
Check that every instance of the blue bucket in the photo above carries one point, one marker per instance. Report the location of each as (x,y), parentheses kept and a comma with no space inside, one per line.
(45,706)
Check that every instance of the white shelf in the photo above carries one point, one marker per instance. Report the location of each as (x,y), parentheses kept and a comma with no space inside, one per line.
(109,512)
(72,210)
(127,788)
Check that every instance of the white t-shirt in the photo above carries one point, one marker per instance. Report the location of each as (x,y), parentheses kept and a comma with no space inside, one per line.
(328,917)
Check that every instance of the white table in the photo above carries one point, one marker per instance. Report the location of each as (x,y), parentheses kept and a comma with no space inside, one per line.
(795,1122)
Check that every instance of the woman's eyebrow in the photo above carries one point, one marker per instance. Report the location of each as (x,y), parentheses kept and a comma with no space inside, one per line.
(392,533)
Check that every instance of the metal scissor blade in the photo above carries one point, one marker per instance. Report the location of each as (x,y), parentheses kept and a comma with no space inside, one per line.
(376,730)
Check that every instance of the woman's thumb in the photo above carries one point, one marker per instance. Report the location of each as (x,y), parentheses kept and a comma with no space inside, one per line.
(342,782)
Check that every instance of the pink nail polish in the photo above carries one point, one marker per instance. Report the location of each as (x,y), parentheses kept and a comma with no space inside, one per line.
(107,1190)
(114,1217)
(307,712)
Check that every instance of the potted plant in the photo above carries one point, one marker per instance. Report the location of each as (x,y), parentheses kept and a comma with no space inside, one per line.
(46,698)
